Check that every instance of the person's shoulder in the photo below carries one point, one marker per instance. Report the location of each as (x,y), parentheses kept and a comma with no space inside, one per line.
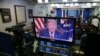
(44,29)
(4,34)
(95,19)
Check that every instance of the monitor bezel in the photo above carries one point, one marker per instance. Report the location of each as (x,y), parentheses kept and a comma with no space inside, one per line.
(67,42)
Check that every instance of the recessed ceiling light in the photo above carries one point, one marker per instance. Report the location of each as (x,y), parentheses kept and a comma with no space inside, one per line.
(46,1)
(76,4)
(67,4)
(71,5)
(94,4)
(40,1)
(56,4)
(61,5)
(65,0)
(74,0)
(88,4)
(96,0)
(52,5)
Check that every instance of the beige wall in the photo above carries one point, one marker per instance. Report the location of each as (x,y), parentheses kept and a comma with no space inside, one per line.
(10,4)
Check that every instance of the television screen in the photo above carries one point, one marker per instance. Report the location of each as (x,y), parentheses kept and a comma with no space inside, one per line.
(54,28)
(72,13)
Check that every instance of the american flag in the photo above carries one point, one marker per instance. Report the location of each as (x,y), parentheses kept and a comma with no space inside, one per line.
(39,23)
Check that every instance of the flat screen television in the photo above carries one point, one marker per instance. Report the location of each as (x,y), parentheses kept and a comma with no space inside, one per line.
(54,28)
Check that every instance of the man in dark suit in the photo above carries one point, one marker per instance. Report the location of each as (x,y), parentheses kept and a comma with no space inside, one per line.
(51,31)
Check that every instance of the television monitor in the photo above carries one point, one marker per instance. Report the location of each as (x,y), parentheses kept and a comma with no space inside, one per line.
(72,13)
(54,28)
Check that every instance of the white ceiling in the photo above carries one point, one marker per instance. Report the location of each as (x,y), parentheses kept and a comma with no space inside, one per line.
(60,1)
(69,1)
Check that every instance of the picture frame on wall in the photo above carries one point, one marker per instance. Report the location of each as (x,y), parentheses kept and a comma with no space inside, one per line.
(5,14)
(20,13)
(30,13)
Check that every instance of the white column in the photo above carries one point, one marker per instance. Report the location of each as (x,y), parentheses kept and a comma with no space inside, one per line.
(82,15)
(62,12)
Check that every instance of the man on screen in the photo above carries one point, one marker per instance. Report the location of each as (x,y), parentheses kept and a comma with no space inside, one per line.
(51,31)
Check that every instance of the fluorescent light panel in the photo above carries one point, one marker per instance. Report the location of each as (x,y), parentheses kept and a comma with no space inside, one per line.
(75,0)
(52,5)
(57,5)
(65,0)
(94,4)
(76,4)
(67,4)
(40,1)
(46,1)
(96,0)
(71,5)
(88,4)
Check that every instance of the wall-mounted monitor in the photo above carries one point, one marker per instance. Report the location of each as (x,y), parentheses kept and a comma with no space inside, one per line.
(54,28)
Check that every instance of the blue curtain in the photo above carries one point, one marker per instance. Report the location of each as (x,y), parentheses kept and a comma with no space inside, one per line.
(58,12)
(86,14)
